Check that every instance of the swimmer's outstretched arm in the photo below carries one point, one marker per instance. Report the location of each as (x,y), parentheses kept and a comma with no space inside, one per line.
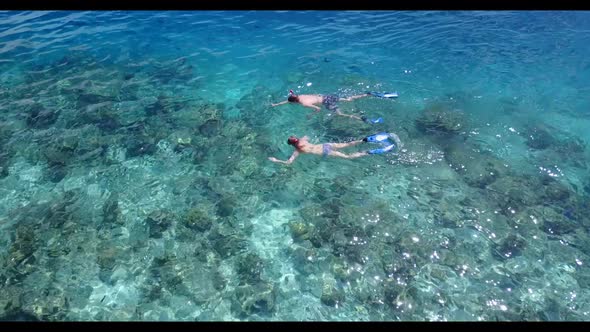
(281,103)
(286,162)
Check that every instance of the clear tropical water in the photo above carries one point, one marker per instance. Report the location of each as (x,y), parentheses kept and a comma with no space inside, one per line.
(135,181)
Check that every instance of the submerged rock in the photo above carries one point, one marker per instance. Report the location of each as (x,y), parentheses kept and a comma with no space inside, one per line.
(107,255)
(300,230)
(391,291)
(5,135)
(554,191)
(139,146)
(19,315)
(210,128)
(157,108)
(56,173)
(254,299)
(332,295)
(477,169)
(219,281)
(88,99)
(111,211)
(63,210)
(249,268)
(39,117)
(510,247)
(158,221)
(58,156)
(225,207)
(20,260)
(10,301)
(538,137)
(323,231)
(165,272)
(340,269)
(52,306)
(198,218)
(108,123)
(447,218)
(249,167)
(556,223)
(514,193)
(25,243)
(441,119)
(225,242)
(3,171)
(572,146)
(304,259)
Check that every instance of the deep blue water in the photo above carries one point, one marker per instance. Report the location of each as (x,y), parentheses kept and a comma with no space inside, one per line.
(136,186)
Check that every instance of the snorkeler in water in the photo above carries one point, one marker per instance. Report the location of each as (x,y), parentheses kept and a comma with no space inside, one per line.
(330,102)
(302,145)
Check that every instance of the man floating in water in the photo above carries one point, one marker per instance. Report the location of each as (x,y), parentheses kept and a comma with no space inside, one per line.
(302,145)
(329,101)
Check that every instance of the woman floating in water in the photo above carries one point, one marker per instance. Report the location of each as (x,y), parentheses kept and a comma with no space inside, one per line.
(302,145)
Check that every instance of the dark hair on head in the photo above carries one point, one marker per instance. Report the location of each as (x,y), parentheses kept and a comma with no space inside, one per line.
(293,98)
(293,140)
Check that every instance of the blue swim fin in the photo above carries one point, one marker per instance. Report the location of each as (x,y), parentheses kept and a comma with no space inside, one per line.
(382,150)
(389,95)
(377,138)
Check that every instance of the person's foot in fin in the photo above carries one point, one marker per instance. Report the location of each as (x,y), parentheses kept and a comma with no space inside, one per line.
(373,121)
(389,95)
(377,138)
(382,150)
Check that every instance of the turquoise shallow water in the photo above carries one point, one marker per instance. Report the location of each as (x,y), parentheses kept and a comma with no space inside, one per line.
(135,183)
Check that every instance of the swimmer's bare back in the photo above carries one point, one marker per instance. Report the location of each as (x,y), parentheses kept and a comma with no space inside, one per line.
(311,101)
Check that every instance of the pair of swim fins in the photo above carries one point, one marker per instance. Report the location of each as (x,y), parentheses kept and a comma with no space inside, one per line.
(381,138)
(389,95)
